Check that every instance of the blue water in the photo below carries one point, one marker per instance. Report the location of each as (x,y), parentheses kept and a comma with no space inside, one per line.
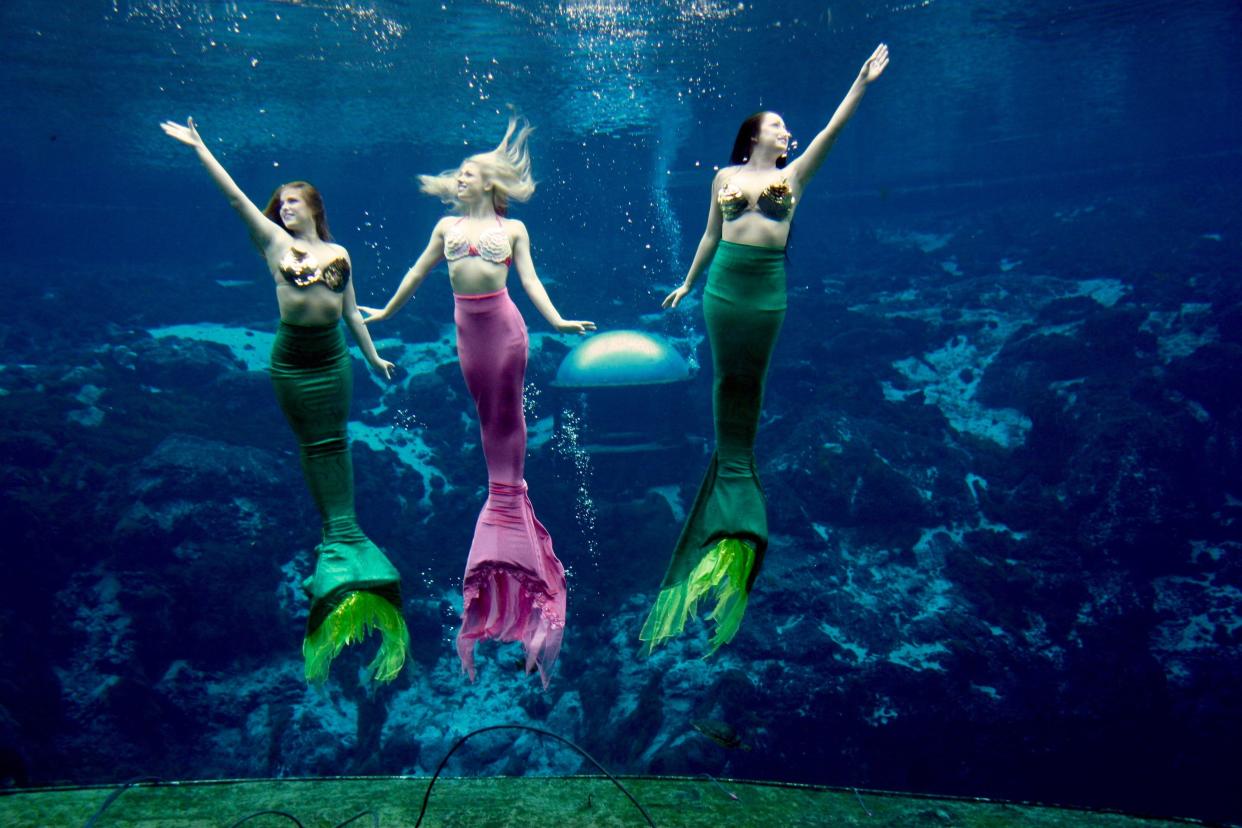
(1001,438)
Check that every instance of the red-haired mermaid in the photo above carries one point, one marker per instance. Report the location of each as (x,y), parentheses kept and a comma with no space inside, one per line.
(514,586)
(355,588)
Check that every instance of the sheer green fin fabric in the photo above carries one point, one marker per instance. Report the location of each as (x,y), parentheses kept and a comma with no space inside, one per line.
(350,622)
(725,573)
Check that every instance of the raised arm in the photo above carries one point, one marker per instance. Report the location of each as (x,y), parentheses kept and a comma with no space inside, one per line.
(263,231)
(414,277)
(534,288)
(808,163)
(353,321)
(706,249)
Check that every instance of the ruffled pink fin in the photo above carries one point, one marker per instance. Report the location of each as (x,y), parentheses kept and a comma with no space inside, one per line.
(514,588)
(510,605)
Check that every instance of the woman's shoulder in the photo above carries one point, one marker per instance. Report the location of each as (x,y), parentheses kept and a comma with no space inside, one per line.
(444,225)
(724,175)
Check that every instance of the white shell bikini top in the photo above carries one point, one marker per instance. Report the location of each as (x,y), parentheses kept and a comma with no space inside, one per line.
(492,246)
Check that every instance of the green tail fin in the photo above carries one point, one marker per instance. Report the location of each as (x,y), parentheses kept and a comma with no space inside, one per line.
(352,620)
(724,571)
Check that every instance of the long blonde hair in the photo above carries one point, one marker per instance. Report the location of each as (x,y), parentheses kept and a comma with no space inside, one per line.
(506,168)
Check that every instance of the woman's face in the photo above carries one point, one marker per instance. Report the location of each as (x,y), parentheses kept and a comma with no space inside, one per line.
(470,184)
(294,211)
(773,134)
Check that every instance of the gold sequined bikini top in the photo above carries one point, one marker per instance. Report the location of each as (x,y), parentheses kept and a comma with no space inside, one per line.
(775,202)
(299,270)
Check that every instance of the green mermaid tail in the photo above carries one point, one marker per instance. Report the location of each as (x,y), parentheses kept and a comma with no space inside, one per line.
(721,550)
(352,617)
(354,589)
(726,571)
(725,538)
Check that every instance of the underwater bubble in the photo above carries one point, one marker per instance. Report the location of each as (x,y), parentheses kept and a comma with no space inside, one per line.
(406,420)
(567,443)
(530,401)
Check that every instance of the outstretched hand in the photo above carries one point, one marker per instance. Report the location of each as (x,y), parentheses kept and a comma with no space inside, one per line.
(370,314)
(875,65)
(575,326)
(187,134)
(674,298)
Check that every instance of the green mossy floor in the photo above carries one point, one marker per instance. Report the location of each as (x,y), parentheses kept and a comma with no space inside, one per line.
(511,802)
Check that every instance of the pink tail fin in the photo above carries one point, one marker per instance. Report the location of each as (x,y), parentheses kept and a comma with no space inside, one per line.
(514,587)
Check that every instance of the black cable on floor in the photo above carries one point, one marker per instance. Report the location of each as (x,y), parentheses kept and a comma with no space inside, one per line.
(249,817)
(561,739)
(115,795)
(374,819)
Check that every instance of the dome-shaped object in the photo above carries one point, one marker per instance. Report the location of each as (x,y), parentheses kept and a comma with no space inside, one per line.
(621,358)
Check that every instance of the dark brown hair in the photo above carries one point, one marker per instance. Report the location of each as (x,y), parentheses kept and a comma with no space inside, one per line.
(313,200)
(746,137)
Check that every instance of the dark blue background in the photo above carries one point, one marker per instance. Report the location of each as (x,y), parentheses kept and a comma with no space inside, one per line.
(1051,144)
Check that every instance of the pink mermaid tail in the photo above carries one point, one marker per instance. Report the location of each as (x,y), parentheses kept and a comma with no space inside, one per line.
(514,586)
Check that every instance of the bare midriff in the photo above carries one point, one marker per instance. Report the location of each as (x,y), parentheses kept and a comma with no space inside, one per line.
(313,305)
(474,275)
(756,229)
